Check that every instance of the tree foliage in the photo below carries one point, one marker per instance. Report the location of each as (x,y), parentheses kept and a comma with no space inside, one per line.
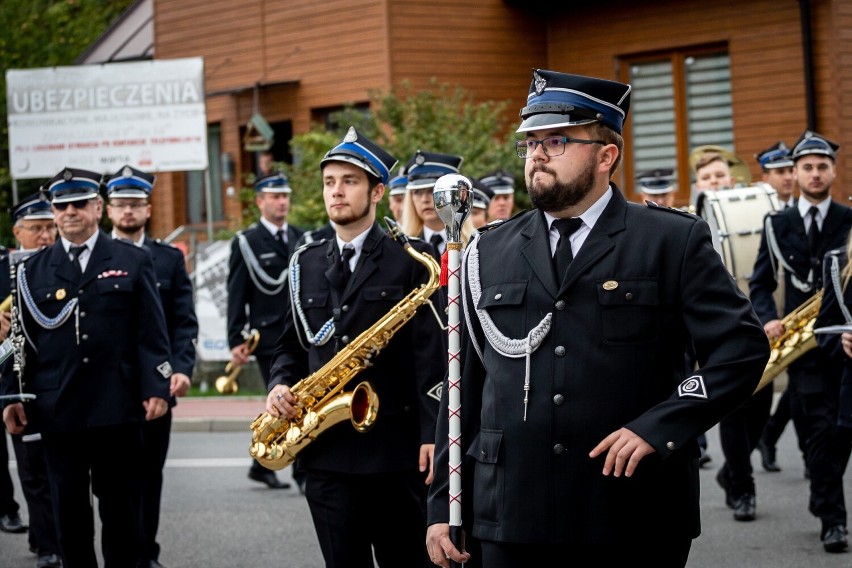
(43,33)
(441,118)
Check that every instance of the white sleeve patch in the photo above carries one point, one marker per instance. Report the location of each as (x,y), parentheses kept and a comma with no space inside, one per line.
(165,369)
(692,387)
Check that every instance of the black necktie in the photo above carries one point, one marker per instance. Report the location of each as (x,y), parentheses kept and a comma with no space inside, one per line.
(279,237)
(813,231)
(342,271)
(437,240)
(75,251)
(563,256)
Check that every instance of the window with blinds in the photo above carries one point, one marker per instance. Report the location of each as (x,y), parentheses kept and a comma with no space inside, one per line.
(679,101)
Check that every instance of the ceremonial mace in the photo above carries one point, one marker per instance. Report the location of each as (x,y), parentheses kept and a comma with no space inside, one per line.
(453,195)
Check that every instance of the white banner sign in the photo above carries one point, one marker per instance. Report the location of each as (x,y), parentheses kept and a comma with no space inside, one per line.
(149,114)
(211,300)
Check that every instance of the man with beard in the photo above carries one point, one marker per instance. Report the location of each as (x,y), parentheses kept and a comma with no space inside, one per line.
(796,240)
(578,418)
(129,208)
(257,288)
(341,287)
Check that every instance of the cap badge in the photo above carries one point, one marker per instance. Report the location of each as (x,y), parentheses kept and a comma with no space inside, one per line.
(419,159)
(60,294)
(610,285)
(67,175)
(127,172)
(351,135)
(540,83)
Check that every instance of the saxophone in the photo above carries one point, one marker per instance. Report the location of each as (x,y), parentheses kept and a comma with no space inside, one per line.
(322,403)
(798,338)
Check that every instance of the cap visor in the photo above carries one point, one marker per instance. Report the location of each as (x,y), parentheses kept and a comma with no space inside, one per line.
(542,121)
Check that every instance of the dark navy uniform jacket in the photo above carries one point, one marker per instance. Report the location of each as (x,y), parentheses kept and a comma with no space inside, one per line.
(645,283)
(411,365)
(789,229)
(99,371)
(175,289)
(248,307)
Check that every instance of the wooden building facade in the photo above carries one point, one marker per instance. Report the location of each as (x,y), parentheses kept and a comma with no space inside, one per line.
(781,64)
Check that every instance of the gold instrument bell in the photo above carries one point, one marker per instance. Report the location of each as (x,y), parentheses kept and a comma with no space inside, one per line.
(227,384)
(739,170)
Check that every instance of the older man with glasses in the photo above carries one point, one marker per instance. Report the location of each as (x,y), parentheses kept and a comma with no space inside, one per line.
(96,357)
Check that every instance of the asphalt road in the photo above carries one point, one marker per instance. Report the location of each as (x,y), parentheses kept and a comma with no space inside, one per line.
(213,516)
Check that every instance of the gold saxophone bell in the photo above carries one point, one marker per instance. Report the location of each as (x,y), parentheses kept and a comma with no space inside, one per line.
(6,304)
(227,384)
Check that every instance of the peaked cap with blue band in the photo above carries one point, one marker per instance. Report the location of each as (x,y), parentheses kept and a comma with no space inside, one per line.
(73,185)
(812,143)
(273,183)
(427,167)
(32,208)
(560,99)
(500,182)
(397,185)
(481,195)
(358,150)
(130,182)
(776,156)
(657,182)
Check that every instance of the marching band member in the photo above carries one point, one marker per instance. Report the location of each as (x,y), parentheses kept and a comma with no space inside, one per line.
(97,358)
(579,422)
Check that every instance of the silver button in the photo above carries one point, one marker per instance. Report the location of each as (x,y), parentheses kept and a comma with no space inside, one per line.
(310,300)
(482,454)
(85,359)
(115,286)
(558,449)
(85,337)
(345,308)
(558,399)
(498,296)
(670,445)
(559,351)
(559,305)
(345,339)
(82,314)
(158,284)
(383,294)
(628,296)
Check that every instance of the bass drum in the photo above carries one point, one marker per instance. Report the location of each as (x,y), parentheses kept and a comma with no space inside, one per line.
(736,217)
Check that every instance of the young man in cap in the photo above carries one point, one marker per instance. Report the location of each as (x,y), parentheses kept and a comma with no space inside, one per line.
(657,186)
(344,286)
(502,203)
(34,228)
(577,415)
(777,169)
(257,287)
(396,196)
(129,208)
(97,359)
(797,240)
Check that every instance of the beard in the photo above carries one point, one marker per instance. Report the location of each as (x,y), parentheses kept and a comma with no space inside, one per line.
(130,226)
(560,195)
(350,215)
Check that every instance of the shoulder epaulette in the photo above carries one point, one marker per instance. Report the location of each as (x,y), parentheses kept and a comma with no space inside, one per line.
(163,243)
(491,225)
(655,207)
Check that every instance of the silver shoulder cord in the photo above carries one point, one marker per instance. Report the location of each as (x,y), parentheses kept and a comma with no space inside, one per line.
(41,319)
(805,286)
(513,348)
(327,330)
(269,286)
(838,287)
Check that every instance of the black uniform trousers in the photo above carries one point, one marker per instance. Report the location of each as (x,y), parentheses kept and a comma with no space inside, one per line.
(827,446)
(358,515)
(155,448)
(513,555)
(739,433)
(109,460)
(32,471)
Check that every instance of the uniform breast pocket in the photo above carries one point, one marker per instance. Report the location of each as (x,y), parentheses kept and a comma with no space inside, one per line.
(388,294)
(630,310)
(116,293)
(504,303)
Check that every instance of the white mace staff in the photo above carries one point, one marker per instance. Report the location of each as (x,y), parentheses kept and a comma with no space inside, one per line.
(453,196)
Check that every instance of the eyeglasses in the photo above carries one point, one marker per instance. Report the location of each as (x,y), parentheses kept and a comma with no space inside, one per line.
(552,146)
(78,204)
(36,230)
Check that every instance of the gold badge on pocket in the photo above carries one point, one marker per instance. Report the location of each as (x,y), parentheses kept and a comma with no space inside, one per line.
(610,285)
(60,294)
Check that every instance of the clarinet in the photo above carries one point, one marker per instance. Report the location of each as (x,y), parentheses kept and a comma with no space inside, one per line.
(16,337)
